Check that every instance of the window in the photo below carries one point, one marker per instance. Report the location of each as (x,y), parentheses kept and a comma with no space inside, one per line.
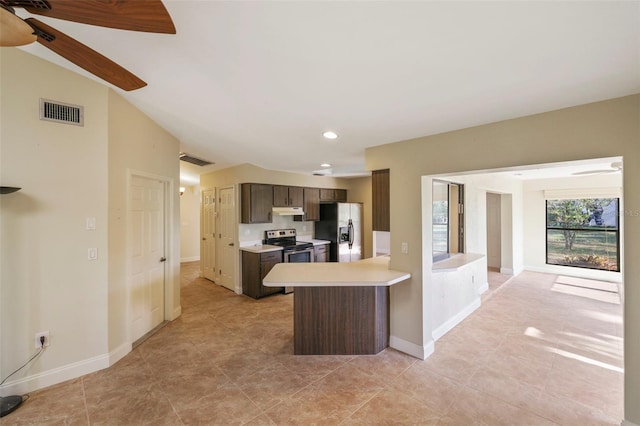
(584,233)
(447,219)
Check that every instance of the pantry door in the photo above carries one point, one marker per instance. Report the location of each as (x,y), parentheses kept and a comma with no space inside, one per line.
(146,254)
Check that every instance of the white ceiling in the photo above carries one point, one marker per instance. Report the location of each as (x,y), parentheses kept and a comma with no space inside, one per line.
(258,82)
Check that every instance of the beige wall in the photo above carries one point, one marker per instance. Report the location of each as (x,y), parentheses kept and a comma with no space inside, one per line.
(138,146)
(604,129)
(68,174)
(46,281)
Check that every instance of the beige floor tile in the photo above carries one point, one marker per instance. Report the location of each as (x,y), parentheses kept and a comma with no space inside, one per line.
(393,408)
(528,356)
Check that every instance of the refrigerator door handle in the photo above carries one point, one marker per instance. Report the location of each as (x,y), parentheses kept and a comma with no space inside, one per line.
(350,234)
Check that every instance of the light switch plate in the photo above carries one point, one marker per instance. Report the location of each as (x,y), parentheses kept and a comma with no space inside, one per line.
(92,254)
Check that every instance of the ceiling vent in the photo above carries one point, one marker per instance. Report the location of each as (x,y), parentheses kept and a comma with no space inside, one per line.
(193,160)
(61,112)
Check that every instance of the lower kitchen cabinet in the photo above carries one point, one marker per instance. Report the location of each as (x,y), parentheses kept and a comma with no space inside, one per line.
(321,253)
(256,266)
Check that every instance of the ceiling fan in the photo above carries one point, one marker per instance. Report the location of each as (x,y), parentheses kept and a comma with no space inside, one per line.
(616,166)
(135,15)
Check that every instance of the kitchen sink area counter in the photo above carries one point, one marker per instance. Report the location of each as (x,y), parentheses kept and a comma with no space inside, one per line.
(339,308)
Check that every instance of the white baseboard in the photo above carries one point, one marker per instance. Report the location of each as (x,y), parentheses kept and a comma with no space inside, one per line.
(420,352)
(190,259)
(508,271)
(176,313)
(627,423)
(455,320)
(118,353)
(484,287)
(56,375)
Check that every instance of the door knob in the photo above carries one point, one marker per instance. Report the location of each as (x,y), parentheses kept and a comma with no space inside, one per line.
(163,259)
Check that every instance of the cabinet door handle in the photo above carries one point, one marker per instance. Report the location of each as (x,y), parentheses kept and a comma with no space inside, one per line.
(231,244)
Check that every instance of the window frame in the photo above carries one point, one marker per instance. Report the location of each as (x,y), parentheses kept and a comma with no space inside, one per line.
(584,229)
(458,211)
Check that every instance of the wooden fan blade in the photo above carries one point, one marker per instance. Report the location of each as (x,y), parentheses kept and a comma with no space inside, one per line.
(13,30)
(135,15)
(85,57)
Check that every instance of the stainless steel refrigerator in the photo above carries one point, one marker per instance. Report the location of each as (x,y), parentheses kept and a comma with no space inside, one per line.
(341,224)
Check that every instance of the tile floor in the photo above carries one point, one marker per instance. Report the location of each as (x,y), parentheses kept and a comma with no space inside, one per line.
(528,356)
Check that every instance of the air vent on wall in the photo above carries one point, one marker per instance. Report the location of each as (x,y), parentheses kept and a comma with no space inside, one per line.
(193,160)
(61,112)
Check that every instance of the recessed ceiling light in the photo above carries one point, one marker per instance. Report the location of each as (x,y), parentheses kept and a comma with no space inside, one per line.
(325,165)
(330,135)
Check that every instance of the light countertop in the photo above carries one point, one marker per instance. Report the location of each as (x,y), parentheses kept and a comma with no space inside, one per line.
(265,248)
(260,248)
(456,262)
(364,273)
(314,241)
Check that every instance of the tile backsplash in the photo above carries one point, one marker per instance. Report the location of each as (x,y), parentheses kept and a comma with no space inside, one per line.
(254,233)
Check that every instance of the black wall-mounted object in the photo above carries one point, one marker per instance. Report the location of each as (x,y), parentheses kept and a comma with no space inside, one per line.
(8,189)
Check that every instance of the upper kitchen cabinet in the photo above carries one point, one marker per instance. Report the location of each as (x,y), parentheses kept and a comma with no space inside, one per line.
(380,200)
(287,196)
(311,205)
(257,203)
(328,195)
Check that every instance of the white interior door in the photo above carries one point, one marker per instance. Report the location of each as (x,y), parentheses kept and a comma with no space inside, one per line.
(494,237)
(227,237)
(208,237)
(147,254)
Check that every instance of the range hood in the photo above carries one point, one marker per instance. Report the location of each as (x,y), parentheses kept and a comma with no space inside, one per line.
(288,211)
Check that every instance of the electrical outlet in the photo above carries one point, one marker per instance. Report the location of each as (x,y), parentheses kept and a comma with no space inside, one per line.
(47,342)
(405,248)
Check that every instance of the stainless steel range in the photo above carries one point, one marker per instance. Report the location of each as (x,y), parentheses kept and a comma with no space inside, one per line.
(292,250)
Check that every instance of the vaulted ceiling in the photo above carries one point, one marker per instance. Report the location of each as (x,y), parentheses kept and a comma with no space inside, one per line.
(259,82)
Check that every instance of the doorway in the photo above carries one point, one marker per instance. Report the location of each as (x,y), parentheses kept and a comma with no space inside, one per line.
(494,235)
(147,230)
(227,230)
(208,236)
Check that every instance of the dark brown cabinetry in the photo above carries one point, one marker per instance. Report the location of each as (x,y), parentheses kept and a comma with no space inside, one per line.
(310,206)
(338,195)
(321,253)
(287,196)
(259,199)
(340,320)
(257,203)
(256,266)
(380,200)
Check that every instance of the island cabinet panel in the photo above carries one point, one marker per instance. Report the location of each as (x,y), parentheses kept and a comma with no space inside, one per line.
(380,200)
(256,266)
(288,196)
(340,320)
(257,203)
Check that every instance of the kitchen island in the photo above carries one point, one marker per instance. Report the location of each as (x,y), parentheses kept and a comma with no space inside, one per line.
(339,308)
